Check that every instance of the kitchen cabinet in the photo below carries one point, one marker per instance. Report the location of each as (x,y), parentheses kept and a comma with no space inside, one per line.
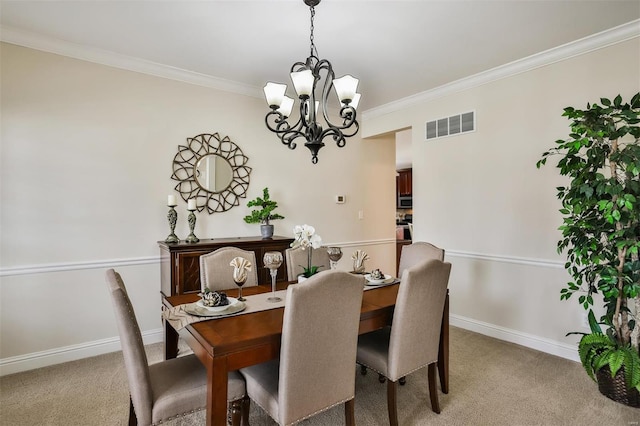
(404,182)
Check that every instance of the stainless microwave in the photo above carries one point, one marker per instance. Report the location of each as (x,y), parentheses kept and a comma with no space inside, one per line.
(405,202)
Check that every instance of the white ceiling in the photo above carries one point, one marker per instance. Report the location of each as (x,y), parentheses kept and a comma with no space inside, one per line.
(396,48)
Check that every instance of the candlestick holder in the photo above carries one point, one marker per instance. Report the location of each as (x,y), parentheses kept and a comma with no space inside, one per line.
(192,224)
(172,217)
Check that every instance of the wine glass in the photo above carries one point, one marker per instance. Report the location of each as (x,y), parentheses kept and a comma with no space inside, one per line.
(273,260)
(335,254)
(240,279)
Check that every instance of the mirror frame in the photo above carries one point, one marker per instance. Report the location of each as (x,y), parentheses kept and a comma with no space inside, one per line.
(184,166)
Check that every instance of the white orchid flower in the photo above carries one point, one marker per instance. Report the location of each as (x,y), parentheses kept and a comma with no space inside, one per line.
(305,237)
(315,241)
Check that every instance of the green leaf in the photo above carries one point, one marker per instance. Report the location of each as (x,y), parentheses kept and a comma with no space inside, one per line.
(616,358)
(632,368)
(593,324)
(617,101)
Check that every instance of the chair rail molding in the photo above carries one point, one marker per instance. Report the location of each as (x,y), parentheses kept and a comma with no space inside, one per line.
(546,263)
(149,260)
(76,266)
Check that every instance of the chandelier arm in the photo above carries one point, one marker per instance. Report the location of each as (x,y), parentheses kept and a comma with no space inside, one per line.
(285,132)
(328,81)
(337,136)
(348,115)
(355,129)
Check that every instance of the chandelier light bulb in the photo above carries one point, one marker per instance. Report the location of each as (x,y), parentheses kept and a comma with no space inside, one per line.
(306,114)
(303,82)
(354,102)
(274,92)
(346,88)
(286,106)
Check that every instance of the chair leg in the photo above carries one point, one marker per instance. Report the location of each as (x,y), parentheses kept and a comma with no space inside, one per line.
(235,412)
(363,370)
(392,390)
(246,405)
(403,380)
(381,378)
(133,420)
(433,388)
(350,412)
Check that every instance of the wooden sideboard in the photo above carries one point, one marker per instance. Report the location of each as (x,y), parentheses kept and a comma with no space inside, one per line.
(180,262)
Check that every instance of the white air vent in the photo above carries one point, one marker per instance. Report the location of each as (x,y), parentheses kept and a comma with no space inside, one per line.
(456,124)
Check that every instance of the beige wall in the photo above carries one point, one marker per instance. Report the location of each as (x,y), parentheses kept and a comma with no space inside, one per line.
(480,196)
(85,172)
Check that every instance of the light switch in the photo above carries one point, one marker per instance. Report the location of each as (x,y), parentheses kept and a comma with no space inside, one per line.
(340,199)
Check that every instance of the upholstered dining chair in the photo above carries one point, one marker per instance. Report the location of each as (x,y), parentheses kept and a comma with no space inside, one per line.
(315,368)
(417,252)
(217,274)
(168,389)
(412,340)
(296,260)
(411,255)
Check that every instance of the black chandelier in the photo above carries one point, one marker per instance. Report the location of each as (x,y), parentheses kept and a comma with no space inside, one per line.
(306,76)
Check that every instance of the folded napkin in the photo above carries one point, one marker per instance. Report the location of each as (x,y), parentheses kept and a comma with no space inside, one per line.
(240,268)
(359,257)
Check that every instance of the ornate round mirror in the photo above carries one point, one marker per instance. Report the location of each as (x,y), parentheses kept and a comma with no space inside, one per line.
(212,170)
(213,173)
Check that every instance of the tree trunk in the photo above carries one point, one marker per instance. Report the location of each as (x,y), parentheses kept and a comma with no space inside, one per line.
(620,316)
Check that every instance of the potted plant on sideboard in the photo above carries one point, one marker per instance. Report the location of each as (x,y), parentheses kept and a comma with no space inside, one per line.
(264,214)
(601,235)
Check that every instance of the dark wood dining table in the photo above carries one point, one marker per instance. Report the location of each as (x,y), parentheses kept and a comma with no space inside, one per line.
(230,343)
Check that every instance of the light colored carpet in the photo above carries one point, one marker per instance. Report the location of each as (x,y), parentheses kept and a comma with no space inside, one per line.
(492,383)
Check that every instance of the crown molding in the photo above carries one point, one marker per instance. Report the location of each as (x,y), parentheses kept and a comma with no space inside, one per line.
(587,44)
(47,44)
(566,51)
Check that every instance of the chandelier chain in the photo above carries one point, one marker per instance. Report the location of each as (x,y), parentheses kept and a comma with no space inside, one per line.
(314,50)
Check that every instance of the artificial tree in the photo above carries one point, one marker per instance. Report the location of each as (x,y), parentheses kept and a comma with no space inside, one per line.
(601,229)
(264,214)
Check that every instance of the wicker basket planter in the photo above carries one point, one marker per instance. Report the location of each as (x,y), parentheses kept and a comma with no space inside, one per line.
(615,388)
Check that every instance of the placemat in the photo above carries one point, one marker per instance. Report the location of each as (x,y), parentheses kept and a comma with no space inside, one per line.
(179,318)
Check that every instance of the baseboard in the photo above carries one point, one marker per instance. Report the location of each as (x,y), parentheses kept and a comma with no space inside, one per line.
(552,347)
(41,359)
(35,360)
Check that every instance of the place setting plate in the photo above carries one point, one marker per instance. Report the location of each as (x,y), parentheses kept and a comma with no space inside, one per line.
(199,309)
(388,279)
